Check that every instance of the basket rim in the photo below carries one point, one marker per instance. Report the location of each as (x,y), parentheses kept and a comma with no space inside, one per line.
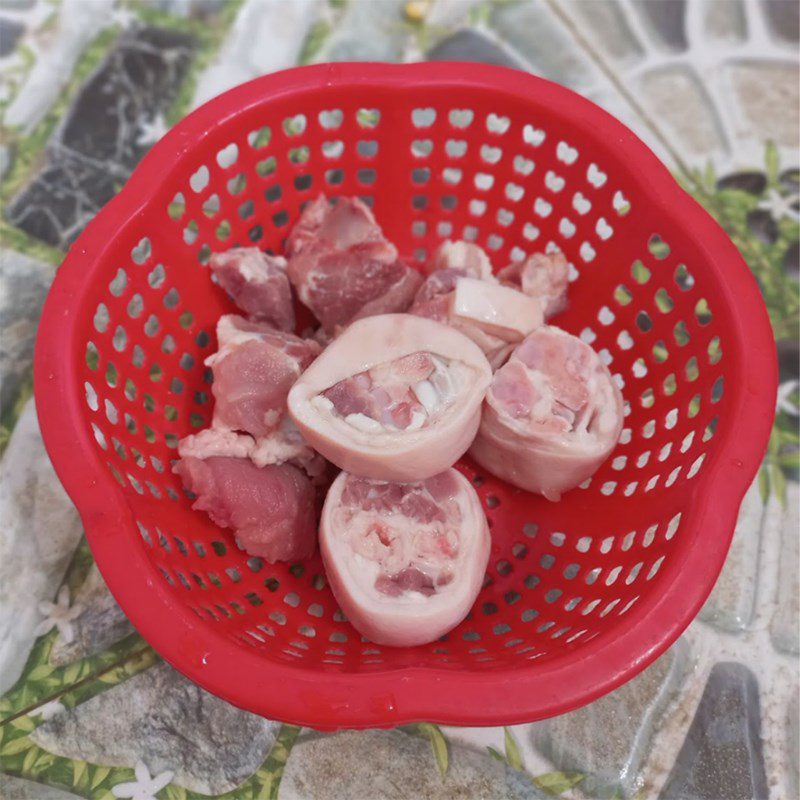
(396,696)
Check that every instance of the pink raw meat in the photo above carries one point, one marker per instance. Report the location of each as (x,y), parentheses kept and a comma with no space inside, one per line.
(384,393)
(467,257)
(542,275)
(254,369)
(306,227)
(552,415)
(434,300)
(405,561)
(496,310)
(280,446)
(491,315)
(343,268)
(271,510)
(394,397)
(257,283)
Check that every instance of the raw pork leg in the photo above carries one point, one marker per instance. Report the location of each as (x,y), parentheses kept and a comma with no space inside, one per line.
(462,293)
(280,446)
(271,510)
(395,397)
(542,275)
(343,268)
(254,369)
(257,283)
(405,561)
(467,257)
(496,310)
(552,415)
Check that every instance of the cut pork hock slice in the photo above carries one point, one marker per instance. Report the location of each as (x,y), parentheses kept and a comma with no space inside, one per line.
(254,369)
(551,416)
(395,397)
(271,510)
(343,268)
(257,283)
(405,561)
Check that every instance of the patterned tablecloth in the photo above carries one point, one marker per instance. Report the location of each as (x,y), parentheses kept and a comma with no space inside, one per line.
(86,707)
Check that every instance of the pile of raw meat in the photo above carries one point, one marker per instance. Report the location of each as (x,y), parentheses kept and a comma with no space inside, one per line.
(404,375)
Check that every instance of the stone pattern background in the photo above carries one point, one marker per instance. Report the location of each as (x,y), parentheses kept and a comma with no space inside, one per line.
(86,708)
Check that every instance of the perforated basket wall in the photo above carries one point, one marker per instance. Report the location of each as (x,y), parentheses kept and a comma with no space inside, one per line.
(579,595)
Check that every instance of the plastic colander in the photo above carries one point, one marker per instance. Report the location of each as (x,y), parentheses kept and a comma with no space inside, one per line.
(580,595)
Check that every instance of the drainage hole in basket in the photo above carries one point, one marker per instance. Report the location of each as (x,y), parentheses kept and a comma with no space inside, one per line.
(423,117)
(497,124)
(455,148)
(620,204)
(421,148)
(504,217)
(512,597)
(545,627)
(519,550)
(299,155)
(681,334)
(212,205)
(142,251)
(592,575)
(710,429)
(259,138)
(118,283)
(420,175)
(419,201)
(718,389)
(294,126)
(368,117)
(190,232)
(266,167)
(200,179)
(490,154)
(524,166)
(177,207)
(448,202)
(547,560)
(610,607)
(657,247)
(461,117)
(332,149)
(452,176)
(419,228)
(639,272)
(531,581)
(533,136)
(683,278)
(237,184)
(367,148)
(302,183)
(514,192)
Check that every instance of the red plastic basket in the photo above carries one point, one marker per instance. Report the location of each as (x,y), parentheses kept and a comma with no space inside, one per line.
(580,595)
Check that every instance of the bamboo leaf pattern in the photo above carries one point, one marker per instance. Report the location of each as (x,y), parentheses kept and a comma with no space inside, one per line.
(557,783)
(513,756)
(438,744)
